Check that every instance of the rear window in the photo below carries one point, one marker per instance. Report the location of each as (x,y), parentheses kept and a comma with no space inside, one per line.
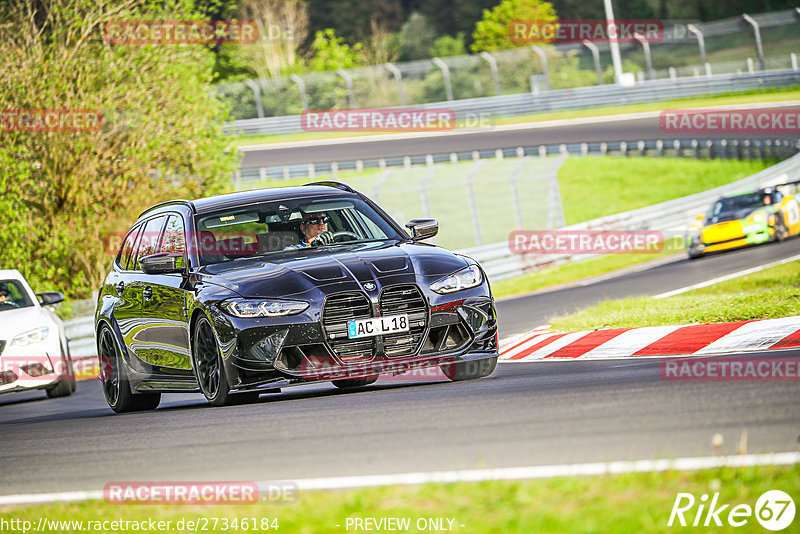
(124,256)
(148,240)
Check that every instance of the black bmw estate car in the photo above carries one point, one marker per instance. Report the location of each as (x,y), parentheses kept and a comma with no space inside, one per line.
(240,294)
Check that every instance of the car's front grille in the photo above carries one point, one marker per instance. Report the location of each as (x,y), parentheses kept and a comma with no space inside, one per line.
(409,300)
(403,299)
(338,310)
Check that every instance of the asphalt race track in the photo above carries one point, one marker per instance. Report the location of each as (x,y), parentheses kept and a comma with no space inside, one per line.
(535,413)
(614,130)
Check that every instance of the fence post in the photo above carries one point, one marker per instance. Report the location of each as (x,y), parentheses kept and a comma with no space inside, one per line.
(349,82)
(448,88)
(376,190)
(793,58)
(493,67)
(398,76)
(515,193)
(555,210)
(750,67)
(473,205)
(757,33)
(596,55)
(301,85)
(257,96)
(649,60)
(545,66)
(426,204)
(673,75)
(700,41)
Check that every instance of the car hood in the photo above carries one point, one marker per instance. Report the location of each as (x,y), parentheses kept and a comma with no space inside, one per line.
(342,268)
(22,320)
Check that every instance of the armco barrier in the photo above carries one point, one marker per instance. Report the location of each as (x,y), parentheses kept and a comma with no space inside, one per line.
(670,217)
(696,148)
(567,99)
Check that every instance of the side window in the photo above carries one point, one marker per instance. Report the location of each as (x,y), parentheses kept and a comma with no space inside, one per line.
(148,240)
(125,252)
(174,239)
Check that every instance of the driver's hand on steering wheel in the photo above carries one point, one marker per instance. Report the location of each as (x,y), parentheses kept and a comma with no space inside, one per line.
(324,238)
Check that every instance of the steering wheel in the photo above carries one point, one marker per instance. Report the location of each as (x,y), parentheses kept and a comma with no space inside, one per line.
(345,233)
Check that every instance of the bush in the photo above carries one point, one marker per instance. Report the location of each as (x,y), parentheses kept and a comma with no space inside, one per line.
(161,135)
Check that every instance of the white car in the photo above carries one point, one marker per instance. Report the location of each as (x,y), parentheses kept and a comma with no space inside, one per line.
(33,344)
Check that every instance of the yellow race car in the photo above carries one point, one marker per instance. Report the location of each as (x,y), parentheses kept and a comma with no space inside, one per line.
(744,219)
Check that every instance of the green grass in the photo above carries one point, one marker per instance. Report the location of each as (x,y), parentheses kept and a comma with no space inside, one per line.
(626,503)
(596,186)
(768,294)
(772,95)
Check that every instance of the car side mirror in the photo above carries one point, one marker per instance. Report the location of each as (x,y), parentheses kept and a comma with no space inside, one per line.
(48,298)
(163,263)
(422,228)
(700,217)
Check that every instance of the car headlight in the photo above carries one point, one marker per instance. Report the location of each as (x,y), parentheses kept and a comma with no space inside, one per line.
(31,336)
(757,217)
(693,231)
(246,308)
(464,279)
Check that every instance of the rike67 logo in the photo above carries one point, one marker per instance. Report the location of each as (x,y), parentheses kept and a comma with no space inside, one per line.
(774,510)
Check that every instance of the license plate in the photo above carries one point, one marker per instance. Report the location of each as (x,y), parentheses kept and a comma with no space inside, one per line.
(377,326)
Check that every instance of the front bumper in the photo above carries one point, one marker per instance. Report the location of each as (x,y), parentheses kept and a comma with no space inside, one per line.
(753,234)
(34,366)
(305,347)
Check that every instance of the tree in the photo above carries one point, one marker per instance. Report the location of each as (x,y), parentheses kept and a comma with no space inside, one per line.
(416,37)
(282,27)
(161,135)
(492,32)
(448,46)
(331,52)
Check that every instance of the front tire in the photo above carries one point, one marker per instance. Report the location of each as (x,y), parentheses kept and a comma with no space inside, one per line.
(209,369)
(66,384)
(114,377)
(469,370)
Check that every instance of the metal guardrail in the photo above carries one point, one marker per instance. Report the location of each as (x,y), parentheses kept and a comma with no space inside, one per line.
(566,99)
(711,148)
(670,217)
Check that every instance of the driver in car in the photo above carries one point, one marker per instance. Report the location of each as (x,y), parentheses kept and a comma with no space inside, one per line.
(5,297)
(315,231)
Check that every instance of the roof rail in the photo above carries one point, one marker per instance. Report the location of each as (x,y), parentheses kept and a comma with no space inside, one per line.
(168,202)
(337,185)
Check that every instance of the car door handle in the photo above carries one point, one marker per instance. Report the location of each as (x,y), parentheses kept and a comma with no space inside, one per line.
(147,293)
(120,288)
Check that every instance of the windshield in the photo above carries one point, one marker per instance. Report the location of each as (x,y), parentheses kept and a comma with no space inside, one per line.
(731,205)
(13,296)
(286,226)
